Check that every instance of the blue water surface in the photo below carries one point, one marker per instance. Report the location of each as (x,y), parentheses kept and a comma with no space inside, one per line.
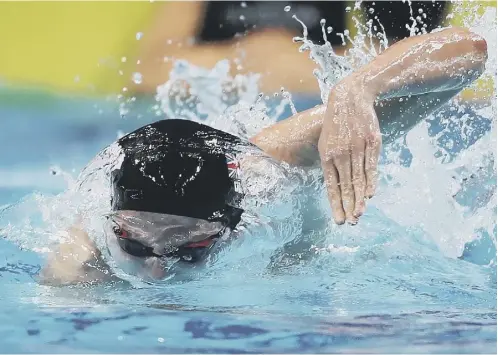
(387,298)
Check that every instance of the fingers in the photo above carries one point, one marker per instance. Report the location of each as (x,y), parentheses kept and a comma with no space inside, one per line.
(372,152)
(343,165)
(331,178)
(359,178)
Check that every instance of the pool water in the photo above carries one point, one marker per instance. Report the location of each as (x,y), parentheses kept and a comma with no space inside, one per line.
(396,291)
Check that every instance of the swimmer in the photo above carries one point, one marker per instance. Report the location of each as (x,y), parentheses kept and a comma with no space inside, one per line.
(176,191)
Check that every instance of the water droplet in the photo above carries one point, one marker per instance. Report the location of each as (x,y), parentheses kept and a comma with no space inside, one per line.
(137,78)
(138,61)
(242,17)
(371,10)
(161,340)
(348,8)
(322,22)
(77,79)
(420,11)
(329,29)
(123,59)
(125,89)
(287,8)
(243,4)
(139,35)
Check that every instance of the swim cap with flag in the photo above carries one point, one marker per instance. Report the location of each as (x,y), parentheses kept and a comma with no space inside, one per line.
(182,168)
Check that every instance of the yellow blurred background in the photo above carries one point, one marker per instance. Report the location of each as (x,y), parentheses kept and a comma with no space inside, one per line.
(91,48)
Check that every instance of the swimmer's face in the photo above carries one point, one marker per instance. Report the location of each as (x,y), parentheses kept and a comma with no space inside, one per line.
(138,241)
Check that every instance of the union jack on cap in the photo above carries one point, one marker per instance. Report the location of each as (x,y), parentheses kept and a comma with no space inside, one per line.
(234,171)
(233,166)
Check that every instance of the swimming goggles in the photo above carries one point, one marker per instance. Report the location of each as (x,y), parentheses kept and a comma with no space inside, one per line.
(191,252)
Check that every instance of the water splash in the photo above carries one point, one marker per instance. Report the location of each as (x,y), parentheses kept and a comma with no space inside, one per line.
(439,212)
(214,97)
(334,67)
(438,199)
(412,195)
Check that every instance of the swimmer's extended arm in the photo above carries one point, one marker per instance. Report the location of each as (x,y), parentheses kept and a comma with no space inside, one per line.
(427,69)
(295,140)
(458,57)
(75,261)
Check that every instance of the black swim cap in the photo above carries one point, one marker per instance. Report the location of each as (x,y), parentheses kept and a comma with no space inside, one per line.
(182,168)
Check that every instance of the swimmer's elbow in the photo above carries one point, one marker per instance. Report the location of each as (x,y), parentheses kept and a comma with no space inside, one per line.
(468,41)
(479,50)
(481,47)
(479,56)
(475,44)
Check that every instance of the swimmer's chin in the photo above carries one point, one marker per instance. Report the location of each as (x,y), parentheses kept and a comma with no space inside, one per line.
(154,271)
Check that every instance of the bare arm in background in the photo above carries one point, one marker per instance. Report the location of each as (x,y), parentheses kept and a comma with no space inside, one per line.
(425,71)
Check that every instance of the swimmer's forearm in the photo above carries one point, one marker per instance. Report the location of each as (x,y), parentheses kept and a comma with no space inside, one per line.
(451,59)
(75,261)
(59,271)
(443,61)
(293,140)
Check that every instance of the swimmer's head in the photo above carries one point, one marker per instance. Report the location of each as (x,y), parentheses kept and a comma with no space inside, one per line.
(179,181)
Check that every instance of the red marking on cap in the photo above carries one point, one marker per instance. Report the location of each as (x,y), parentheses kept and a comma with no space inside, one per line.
(202,243)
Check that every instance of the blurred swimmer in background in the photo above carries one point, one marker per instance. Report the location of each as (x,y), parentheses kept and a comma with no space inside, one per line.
(99,57)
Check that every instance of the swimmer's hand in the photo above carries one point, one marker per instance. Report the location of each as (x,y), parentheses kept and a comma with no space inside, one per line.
(426,71)
(349,147)
(74,261)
